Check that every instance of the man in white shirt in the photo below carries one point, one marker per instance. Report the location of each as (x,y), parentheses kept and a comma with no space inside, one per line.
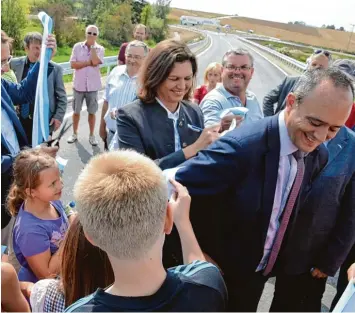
(121,88)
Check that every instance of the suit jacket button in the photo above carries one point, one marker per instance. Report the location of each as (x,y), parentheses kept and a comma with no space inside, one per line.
(184,144)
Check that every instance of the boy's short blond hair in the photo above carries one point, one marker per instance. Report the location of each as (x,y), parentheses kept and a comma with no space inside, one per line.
(121,198)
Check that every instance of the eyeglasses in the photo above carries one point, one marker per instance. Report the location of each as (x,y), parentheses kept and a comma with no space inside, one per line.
(91,33)
(233,68)
(6,62)
(134,57)
(325,52)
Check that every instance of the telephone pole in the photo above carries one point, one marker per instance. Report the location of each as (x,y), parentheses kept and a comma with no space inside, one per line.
(351,34)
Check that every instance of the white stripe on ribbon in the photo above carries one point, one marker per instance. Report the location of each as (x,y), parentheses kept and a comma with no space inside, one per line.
(41,109)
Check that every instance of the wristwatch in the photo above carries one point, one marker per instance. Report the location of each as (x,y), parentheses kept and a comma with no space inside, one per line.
(92,46)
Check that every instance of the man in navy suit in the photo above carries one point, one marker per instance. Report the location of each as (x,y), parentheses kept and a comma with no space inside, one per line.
(13,137)
(244,187)
(323,234)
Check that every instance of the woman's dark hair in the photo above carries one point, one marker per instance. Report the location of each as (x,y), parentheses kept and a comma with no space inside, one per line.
(84,267)
(158,65)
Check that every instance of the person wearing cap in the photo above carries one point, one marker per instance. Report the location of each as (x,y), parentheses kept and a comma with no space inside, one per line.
(320,59)
(324,232)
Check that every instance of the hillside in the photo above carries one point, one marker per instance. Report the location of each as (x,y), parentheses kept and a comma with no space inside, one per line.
(320,37)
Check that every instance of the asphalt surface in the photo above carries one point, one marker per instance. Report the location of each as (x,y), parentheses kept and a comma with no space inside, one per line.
(266,77)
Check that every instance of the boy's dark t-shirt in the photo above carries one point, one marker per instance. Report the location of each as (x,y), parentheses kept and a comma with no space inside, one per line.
(198,286)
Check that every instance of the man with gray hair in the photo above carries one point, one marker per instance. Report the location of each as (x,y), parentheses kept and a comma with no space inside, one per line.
(85,60)
(246,185)
(56,90)
(121,88)
(237,72)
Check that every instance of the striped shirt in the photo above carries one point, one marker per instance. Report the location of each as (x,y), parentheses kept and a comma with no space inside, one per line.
(120,90)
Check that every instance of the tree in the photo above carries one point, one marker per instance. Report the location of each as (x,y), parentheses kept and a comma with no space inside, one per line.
(162,9)
(158,31)
(13,19)
(146,14)
(330,27)
(137,9)
(115,24)
(59,11)
(341,28)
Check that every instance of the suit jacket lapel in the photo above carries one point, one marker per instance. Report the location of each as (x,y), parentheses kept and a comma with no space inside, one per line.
(272,158)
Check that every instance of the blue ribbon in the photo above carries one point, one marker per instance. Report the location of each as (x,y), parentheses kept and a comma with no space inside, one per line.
(41,109)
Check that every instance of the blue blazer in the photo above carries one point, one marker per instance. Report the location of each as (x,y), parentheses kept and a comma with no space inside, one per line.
(232,184)
(18,93)
(325,228)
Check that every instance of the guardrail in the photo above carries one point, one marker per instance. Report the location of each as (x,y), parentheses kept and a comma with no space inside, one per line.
(300,66)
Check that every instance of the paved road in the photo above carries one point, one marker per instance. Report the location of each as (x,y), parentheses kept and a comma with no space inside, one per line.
(266,76)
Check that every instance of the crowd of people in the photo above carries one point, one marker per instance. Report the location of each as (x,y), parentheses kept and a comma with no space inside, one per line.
(201,194)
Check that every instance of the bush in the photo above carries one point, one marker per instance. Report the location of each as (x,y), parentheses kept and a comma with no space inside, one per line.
(158,30)
(74,32)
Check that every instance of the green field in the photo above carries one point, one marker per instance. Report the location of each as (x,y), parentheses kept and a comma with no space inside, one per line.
(298,53)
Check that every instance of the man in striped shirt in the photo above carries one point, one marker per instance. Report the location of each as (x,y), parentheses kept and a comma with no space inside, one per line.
(121,88)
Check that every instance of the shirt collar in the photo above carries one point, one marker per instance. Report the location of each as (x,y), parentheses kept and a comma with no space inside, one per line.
(228,95)
(286,145)
(174,115)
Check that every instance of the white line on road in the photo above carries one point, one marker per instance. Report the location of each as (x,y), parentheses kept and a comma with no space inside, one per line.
(208,48)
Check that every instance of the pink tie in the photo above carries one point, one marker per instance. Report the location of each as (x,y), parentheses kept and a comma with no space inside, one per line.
(287,213)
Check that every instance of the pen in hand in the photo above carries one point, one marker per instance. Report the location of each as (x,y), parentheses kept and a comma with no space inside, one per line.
(195,128)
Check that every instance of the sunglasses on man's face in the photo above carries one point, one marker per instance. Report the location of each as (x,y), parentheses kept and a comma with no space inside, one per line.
(91,33)
(325,52)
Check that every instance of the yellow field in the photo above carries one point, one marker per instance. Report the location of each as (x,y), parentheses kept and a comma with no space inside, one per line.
(320,37)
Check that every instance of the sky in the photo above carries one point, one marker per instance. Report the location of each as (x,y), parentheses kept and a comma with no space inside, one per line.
(312,12)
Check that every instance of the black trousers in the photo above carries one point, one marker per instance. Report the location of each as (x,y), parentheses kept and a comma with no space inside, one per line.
(298,293)
(27,124)
(244,291)
(343,277)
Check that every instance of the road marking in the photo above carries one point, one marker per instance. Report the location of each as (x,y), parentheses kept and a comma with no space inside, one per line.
(208,48)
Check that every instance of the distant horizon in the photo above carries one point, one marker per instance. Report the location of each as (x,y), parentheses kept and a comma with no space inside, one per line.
(255,18)
(314,14)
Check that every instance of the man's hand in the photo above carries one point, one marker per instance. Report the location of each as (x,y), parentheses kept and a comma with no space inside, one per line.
(180,204)
(102,131)
(56,123)
(51,43)
(26,289)
(227,121)
(317,273)
(351,272)
(113,113)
